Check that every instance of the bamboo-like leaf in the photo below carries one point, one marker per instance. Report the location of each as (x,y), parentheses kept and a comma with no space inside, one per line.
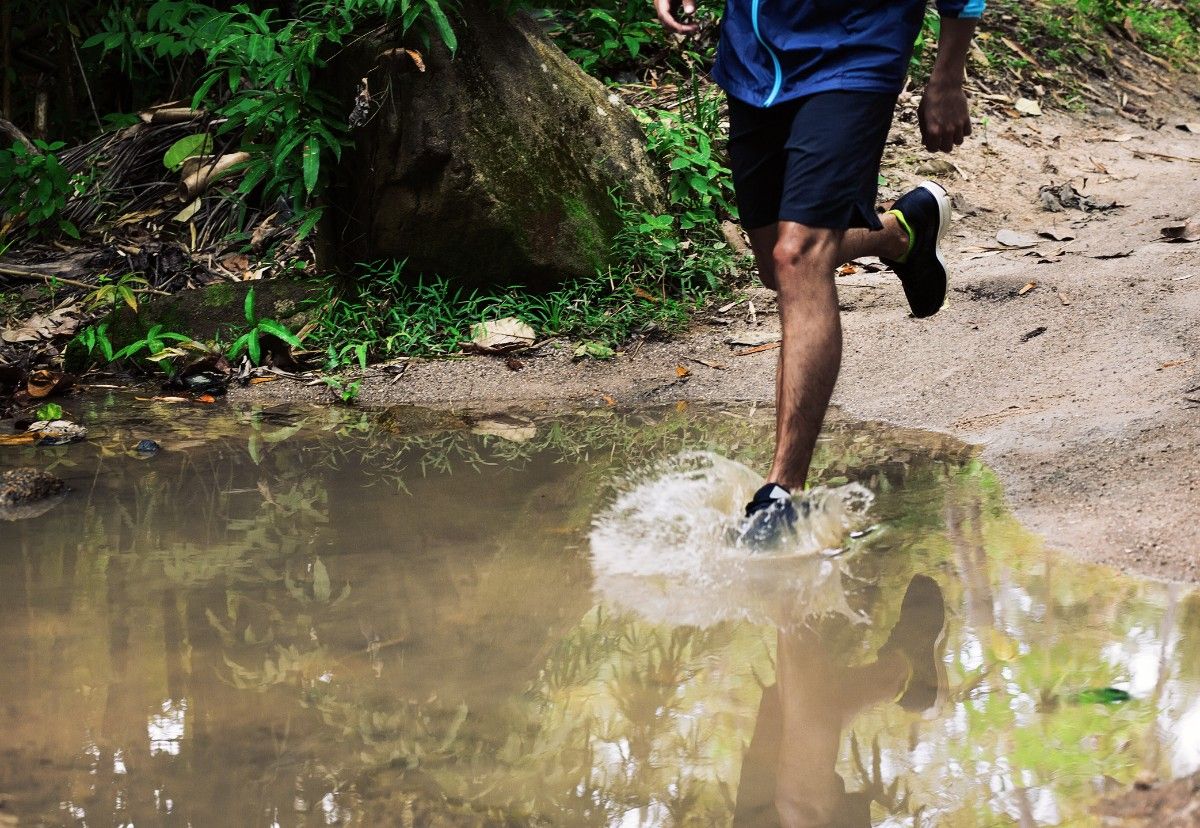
(442,23)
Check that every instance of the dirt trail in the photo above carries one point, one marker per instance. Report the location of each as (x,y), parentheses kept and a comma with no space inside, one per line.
(1089,422)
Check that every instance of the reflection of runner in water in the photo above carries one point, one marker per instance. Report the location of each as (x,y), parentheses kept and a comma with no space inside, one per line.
(788,777)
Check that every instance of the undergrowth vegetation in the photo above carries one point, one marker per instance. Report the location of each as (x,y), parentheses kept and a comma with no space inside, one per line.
(254,69)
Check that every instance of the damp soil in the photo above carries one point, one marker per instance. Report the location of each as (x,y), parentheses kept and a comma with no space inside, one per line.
(297,615)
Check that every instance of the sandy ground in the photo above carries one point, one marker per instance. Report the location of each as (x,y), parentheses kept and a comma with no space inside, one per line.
(1093,424)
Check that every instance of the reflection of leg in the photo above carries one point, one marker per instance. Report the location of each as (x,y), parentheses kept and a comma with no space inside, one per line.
(755,806)
(919,637)
(808,790)
(882,680)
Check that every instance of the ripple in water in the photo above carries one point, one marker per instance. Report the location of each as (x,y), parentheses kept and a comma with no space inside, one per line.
(662,548)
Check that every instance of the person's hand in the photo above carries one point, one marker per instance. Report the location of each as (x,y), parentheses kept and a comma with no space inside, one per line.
(666,15)
(944,116)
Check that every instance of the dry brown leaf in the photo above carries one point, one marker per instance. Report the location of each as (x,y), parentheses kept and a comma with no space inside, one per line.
(261,380)
(44,382)
(1027,107)
(608,400)
(768,347)
(1011,238)
(847,269)
(16,439)
(513,364)
(1174,362)
(206,399)
(1028,287)
(682,371)
(1188,231)
(501,335)
(645,294)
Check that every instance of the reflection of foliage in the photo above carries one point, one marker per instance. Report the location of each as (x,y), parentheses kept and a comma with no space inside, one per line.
(460,668)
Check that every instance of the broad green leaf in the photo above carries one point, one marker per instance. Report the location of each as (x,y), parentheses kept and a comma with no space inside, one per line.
(186,147)
(248,306)
(443,25)
(50,411)
(321,586)
(275,329)
(255,347)
(312,164)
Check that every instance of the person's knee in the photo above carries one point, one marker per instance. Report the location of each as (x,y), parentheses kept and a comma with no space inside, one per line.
(799,244)
(766,271)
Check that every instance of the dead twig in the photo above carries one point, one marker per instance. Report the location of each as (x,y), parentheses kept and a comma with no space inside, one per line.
(36,275)
(10,129)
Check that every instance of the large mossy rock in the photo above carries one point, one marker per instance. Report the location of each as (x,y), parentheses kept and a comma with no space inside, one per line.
(495,166)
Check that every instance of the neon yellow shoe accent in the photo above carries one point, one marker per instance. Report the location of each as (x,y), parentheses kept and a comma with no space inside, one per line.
(912,239)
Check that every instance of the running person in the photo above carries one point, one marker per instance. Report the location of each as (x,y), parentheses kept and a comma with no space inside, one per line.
(812,85)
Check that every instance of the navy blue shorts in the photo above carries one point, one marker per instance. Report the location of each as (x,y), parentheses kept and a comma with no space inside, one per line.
(813,160)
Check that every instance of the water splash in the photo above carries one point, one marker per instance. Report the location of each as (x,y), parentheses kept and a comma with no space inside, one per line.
(663,550)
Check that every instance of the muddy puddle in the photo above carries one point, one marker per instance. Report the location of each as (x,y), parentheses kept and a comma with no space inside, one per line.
(311,617)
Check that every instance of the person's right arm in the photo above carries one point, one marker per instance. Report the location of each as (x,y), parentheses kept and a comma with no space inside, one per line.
(666,15)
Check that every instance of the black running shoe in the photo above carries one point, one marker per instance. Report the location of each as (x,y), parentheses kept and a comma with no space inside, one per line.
(919,636)
(923,272)
(770,518)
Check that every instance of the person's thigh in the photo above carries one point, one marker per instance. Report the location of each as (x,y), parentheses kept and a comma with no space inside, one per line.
(758,159)
(834,150)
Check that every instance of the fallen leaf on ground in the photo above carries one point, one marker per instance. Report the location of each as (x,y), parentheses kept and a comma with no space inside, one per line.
(1062,297)
(728,306)
(59,322)
(44,382)
(513,364)
(1038,331)
(1054,234)
(513,429)
(1188,231)
(846,269)
(1028,287)
(608,400)
(1011,238)
(16,439)
(501,335)
(753,339)
(1174,362)
(682,371)
(645,294)
(261,380)
(768,347)
(1027,107)
(1058,197)
(187,212)
(206,399)
(708,364)
(1112,254)
(595,350)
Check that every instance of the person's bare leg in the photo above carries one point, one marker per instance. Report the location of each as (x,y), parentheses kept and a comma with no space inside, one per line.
(890,243)
(811,353)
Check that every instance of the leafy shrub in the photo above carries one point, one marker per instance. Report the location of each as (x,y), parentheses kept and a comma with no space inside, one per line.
(34,188)
(259,73)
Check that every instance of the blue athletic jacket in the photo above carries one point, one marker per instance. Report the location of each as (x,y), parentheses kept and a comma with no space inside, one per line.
(775,50)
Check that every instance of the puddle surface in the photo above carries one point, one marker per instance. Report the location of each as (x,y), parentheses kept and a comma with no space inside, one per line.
(318,618)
